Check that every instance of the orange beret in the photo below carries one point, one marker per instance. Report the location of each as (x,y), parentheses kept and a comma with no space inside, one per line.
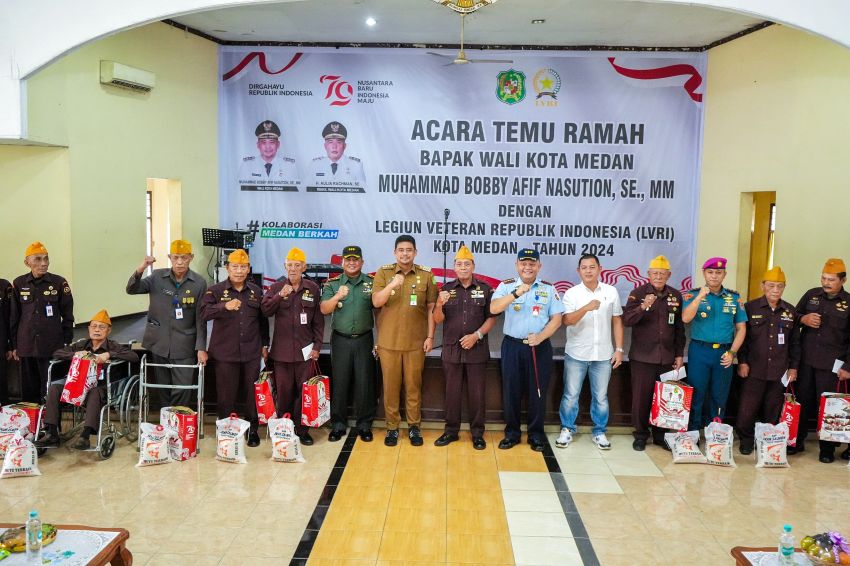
(35,248)
(102,316)
(774,274)
(238,256)
(464,253)
(180,247)
(296,254)
(833,265)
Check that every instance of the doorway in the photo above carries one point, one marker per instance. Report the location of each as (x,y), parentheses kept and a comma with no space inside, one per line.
(760,209)
(164,217)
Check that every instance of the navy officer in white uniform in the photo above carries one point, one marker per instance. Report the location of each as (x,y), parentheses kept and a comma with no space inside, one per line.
(268,169)
(336,172)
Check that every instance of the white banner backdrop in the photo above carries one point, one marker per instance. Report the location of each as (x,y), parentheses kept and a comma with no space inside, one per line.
(567,152)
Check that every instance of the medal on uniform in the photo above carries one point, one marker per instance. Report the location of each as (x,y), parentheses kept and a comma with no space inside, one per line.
(303,318)
(704,314)
(671,318)
(517,307)
(48,310)
(339,305)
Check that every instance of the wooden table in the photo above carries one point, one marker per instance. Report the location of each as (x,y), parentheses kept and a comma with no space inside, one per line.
(740,560)
(114,553)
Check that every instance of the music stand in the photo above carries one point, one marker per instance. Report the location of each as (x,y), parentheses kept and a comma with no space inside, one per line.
(228,239)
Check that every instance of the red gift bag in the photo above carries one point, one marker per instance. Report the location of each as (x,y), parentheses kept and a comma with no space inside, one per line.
(182,426)
(81,377)
(834,416)
(264,397)
(791,416)
(671,405)
(316,399)
(32,410)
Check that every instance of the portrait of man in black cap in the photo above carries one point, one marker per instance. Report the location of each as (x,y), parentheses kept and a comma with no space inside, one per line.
(335,171)
(268,171)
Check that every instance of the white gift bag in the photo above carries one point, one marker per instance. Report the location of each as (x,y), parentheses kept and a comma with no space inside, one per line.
(230,439)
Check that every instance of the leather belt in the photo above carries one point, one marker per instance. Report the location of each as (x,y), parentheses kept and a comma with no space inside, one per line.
(714,345)
(344,335)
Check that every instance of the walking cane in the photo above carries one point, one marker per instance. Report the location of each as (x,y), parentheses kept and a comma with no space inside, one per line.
(536,377)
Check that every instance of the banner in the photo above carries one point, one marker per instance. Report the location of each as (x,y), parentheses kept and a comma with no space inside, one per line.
(568,152)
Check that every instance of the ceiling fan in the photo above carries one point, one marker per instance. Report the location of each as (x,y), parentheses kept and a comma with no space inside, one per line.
(460,58)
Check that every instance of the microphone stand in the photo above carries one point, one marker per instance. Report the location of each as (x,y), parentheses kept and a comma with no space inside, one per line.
(446,213)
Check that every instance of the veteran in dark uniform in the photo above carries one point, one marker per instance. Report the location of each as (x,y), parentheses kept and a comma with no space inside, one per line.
(42,320)
(106,350)
(464,305)
(825,337)
(336,169)
(406,293)
(175,333)
(269,168)
(348,298)
(654,313)
(5,338)
(771,348)
(718,327)
(533,312)
(298,323)
(238,340)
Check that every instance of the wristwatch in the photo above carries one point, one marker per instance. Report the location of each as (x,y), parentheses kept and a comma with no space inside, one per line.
(514,293)
(618,350)
(480,336)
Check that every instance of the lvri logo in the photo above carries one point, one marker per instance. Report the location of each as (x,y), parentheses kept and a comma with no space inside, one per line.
(339,91)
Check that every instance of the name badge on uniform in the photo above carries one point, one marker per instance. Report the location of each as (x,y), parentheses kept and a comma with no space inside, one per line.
(413,301)
(178,313)
(671,318)
(48,310)
(535,310)
(780,338)
(303,318)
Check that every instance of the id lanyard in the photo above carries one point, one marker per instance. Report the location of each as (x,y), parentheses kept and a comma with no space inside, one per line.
(178,310)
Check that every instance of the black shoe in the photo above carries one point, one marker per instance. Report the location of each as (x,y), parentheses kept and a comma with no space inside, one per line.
(479,443)
(446,439)
(82,443)
(48,441)
(336,434)
(365,435)
(305,438)
(639,444)
(391,438)
(795,449)
(826,457)
(253,438)
(745,449)
(536,444)
(507,443)
(846,454)
(415,436)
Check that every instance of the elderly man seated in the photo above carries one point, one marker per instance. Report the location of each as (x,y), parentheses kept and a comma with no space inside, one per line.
(106,350)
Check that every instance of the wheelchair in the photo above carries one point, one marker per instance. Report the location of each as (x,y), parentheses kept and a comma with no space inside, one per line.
(120,412)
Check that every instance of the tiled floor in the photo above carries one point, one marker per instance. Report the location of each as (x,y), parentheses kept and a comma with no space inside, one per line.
(431,505)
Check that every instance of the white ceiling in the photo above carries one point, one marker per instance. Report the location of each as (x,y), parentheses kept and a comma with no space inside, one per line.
(617,23)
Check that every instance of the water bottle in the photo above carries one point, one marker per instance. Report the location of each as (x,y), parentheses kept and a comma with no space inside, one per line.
(786,547)
(34,539)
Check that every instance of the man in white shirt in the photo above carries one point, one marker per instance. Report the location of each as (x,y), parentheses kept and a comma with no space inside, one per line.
(591,311)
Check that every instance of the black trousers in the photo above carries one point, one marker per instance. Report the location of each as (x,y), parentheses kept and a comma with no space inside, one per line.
(644,376)
(518,380)
(760,400)
(811,382)
(230,377)
(34,379)
(353,372)
(288,379)
(475,378)
(175,376)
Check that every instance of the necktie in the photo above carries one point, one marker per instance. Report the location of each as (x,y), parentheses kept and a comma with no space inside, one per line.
(268,169)
(333,168)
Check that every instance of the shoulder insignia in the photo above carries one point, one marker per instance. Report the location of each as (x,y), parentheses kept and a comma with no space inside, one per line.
(732,292)
(688,296)
(423,268)
(512,280)
(318,158)
(632,298)
(370,276)
(546,283)
(334,278)
(249,158)
(357,159)
(288,159)
(388,266)
(209,292)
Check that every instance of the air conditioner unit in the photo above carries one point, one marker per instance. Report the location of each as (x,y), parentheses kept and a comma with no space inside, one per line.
(124,76)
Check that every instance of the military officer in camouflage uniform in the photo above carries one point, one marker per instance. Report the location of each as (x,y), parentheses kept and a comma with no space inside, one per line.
(268,170)
(348,297)
(336,170)
(42,320)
